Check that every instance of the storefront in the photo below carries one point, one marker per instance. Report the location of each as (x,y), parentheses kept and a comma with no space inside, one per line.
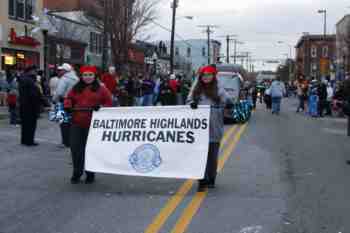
(18,59)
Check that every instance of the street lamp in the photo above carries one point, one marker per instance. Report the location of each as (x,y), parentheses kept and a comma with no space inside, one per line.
(325,20)
(290,48)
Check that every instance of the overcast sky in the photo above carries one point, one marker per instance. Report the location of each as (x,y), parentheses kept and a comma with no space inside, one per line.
(259,23)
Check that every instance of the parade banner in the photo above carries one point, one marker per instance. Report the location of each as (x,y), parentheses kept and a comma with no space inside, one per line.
(169,142)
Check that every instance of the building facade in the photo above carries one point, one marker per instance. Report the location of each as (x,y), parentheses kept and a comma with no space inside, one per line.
(21,43)
(343,46)
(195,52)
(316,55)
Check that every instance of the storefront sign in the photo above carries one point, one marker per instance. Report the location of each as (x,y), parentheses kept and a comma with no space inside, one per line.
(169,142)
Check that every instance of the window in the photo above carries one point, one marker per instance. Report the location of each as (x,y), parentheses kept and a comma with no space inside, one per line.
(30,9)
(177,51)
(204,52)
(22,9)
(313,52)
(12,8)
(189,52)
(96,43)
(325,51)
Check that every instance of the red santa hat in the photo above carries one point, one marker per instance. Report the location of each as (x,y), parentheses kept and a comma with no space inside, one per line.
(90,69)
(208,70)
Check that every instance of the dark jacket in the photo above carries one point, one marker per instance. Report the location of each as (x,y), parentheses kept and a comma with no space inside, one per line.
(30,98)
(322,92)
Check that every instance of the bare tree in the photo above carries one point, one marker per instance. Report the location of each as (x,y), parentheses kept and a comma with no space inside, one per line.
(124,21)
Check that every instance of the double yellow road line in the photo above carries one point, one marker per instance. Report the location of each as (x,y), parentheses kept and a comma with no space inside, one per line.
(192,208)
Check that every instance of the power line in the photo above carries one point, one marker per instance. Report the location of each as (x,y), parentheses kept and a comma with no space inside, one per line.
(208,31)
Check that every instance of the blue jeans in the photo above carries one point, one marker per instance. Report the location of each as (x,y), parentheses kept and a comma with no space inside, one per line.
(147,100)
(276,104)
(13,115)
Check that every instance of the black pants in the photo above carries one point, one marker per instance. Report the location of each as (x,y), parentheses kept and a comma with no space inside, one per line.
(212,164)
(301,103)
(321,107)
(78,141)
(28,127)
(65,133)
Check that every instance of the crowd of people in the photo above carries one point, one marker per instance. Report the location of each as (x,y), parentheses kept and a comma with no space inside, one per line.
(322,98)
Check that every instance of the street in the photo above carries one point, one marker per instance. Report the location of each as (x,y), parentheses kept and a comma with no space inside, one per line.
(282,174)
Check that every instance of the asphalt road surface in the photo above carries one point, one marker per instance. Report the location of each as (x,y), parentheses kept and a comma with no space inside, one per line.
(278,174)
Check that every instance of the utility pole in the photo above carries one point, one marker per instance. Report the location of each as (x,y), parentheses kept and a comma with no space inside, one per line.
(174,5)
(208,31)
(229,38)
(105,37)
(236,42)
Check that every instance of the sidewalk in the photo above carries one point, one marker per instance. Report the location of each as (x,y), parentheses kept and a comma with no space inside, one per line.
(3,112)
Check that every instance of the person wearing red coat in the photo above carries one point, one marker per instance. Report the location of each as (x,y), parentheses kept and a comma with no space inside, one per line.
(87,95)
(109,80)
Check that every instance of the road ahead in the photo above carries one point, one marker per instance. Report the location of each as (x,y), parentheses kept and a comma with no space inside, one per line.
(282,174)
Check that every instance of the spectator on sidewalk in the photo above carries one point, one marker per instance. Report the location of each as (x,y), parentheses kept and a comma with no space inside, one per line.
(330,94)
(302,93)
(147,91)
(53,83)
(88,93)
(322,96)
(67,80)
(110,79)
(30,100)
(3,91)
(12,97)
(278,90)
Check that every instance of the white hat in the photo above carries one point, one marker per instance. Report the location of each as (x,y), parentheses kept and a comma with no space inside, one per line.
(172,76)
(65,67)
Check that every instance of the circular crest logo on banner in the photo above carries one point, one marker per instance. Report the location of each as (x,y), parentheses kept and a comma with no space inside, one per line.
(146,158)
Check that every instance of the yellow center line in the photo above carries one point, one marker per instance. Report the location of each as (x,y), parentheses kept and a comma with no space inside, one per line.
(192,208)
(177,198)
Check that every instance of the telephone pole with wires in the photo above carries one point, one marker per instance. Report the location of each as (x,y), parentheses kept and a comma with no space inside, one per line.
(208,31)
(229,38)
(174,5)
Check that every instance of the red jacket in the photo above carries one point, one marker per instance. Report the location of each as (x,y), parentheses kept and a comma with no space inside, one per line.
(87,99)
(11,99)
(174,85)
(110,82)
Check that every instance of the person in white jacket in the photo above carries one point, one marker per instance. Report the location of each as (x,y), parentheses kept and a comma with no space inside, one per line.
(67,81)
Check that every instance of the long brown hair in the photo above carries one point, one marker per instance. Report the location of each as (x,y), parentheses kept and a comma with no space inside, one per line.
(210,90)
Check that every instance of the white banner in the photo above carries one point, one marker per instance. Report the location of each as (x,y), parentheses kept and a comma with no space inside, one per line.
(169,142)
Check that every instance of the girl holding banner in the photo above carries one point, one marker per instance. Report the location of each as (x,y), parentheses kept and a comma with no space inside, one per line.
(207,92)
(86,96)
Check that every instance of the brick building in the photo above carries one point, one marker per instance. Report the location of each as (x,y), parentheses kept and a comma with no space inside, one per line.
(67,5)
(316,55)
(343,45)
(20,45)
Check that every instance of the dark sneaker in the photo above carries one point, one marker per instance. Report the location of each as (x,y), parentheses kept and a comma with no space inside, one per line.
(202,188)
(75,180)
(90,180)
